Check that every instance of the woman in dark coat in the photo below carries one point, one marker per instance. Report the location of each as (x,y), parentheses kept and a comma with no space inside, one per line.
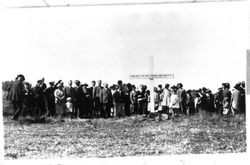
(210,101)
(28,100)
(85,102)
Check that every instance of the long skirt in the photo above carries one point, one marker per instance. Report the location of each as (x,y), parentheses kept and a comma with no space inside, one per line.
(119,109)
(60,109)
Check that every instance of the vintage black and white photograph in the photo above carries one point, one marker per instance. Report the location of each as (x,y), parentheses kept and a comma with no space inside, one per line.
(110,79)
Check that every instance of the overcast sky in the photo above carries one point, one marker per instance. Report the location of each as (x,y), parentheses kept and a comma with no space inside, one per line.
(203,44)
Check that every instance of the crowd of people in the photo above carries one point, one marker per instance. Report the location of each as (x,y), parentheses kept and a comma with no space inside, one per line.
(118,100)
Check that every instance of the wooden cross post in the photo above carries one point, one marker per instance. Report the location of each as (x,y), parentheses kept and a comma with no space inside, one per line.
(151,76)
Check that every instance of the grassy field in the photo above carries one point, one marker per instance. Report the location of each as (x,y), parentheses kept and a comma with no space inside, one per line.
(130,136)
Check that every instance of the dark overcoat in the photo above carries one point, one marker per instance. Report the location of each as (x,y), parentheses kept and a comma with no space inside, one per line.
(17,91)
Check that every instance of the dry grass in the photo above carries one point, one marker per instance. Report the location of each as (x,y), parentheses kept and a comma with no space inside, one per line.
(130,136)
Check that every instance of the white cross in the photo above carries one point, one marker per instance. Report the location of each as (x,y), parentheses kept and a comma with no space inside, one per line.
(151,76)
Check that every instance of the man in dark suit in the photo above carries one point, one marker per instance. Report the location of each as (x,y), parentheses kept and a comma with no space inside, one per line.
(28,100)
(218,98)
(106,101)
(16,95)
(92,92)
(243,97)
(40,98)
(71,92)
(50,98)
(98,106)
(226,92)
(78,98)
(182,96)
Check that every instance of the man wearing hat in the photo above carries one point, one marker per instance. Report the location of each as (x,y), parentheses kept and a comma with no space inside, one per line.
(71,92)
(40,98)
(50,98)
(133,100)
(78,99)
(92,91)
(203,99)
(243,97)
(16,95)
(236,98)
(226,92)
(182,95)
(98,105)
(210,101)
(106,101)
(60,100)
(85,102)
(218,100)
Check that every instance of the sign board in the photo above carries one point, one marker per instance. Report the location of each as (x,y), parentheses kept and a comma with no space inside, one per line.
(150,76)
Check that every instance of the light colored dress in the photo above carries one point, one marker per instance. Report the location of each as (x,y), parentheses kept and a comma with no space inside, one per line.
(174,101)
(236,99)
(59,100)
(69,107)
(166,97)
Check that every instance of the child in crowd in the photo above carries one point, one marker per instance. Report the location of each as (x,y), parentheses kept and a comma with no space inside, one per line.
(174,102)
(69,107)
(227,108)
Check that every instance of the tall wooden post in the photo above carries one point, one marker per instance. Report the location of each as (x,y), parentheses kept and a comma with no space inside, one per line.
(151,76)
(151,83)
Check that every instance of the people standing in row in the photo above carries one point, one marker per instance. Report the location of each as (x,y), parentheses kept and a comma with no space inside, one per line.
(120,99)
